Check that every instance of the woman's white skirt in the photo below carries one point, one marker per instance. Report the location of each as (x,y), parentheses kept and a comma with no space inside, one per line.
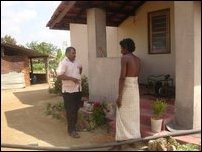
(128,115)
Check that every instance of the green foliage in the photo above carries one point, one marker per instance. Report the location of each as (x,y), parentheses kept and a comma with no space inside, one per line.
(47,49)
(57,89)
(186,147)
(48,109)
(84,85)
(53,63)
(55,109)
(170,144)
(182,147)
(58,86)
(38,67)
(85,122)
(43,47)
(172,141)
(159,106)
(98,115)
(8,39)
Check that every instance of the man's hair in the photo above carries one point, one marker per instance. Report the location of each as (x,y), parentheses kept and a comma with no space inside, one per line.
(128,44)
(69,49)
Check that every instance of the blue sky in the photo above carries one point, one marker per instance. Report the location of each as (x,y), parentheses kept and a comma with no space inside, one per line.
(26,22)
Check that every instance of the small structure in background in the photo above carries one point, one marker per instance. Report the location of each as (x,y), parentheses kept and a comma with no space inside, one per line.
(17,68)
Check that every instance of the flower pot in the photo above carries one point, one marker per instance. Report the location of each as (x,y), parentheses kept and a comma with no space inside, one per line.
(156,124)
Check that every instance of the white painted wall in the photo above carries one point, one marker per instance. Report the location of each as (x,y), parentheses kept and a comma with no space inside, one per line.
(197,62)
(136,27)
(188,64)
(113,50)
(106,79)
(106,73)
(79,40)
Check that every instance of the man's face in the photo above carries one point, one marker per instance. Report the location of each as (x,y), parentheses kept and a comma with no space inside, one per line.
(123,50)
(71,55)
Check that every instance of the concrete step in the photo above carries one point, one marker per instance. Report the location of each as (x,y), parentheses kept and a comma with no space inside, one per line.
(145,117)
(145,131)
(189,139)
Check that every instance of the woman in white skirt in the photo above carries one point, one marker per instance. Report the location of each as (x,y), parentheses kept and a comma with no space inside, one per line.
(128,106)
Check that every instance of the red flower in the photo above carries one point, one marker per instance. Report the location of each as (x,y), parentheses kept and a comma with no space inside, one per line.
(96,104)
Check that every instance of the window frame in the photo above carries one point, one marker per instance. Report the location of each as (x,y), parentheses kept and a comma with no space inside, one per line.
(157,15)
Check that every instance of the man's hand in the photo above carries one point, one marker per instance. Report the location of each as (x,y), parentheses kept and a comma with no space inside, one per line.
(118,102)
(64,77)
(75,80)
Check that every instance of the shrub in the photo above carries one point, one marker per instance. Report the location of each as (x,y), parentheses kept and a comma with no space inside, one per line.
(57,89)
(170,144)
(187,147)
(55,109)
(84,85)
(58,86)
(159,106)
(85,122)
(98,115)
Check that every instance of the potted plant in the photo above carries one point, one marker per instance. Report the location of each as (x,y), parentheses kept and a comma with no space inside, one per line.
(159,107)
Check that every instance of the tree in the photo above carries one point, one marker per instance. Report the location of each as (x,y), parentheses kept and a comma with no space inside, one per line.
(53,63)
(48,49)
(8,39)
(43,47)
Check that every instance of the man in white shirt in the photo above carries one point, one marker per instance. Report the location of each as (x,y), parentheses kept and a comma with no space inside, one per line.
(69,71)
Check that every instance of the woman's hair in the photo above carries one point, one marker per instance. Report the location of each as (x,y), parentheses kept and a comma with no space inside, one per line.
(128,44)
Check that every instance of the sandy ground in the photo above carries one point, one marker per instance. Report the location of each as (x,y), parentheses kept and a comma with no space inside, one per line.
(23,120)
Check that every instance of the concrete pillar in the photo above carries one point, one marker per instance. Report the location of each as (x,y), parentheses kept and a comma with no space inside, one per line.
(96,28)
(187,24)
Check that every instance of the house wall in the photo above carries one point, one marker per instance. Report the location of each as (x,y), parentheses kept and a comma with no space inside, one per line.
(188,78)
(197,62)
(107,69)
(136,27)
(105,81)
(17,64)
(79,40)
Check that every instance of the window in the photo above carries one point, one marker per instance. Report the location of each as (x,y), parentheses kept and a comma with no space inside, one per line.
(159,31)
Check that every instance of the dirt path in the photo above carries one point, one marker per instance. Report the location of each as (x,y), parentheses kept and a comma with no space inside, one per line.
(23,120)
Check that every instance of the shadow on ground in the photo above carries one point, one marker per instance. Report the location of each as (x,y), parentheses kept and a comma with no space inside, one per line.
(34,122)
(33,97)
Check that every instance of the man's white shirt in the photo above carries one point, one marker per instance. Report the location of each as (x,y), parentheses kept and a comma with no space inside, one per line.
(71,69)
